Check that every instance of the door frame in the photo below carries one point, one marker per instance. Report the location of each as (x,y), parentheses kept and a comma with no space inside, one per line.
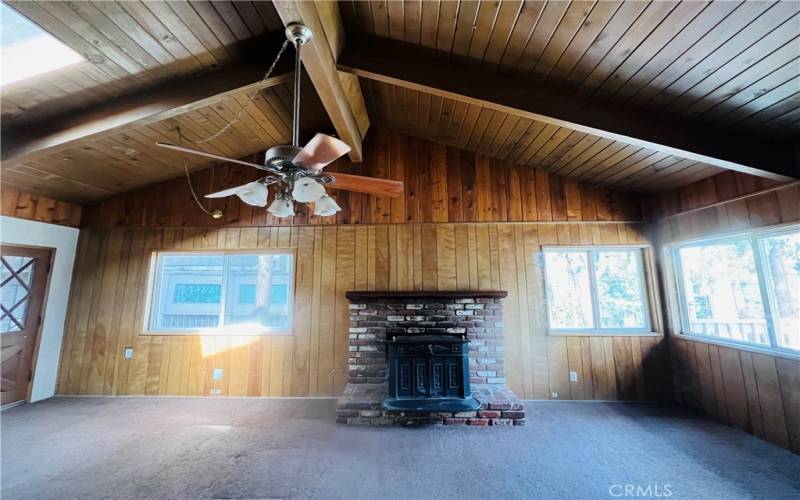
(47,256)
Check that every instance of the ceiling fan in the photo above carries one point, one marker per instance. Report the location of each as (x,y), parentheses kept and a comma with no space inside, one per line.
(297,172)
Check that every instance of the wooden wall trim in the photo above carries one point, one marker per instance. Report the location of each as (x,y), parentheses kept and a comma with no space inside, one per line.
(442,184)
(741,347)
(14,203)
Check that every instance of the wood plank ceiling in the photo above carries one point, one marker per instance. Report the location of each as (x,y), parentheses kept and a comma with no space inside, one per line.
(130,46)
(135,46)
(736,64)
(529,142)
(97,169)
(733,63)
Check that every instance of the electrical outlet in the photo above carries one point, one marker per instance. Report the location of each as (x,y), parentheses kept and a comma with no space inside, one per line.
(553,395)
(128,352)
(573,376)
(217,374)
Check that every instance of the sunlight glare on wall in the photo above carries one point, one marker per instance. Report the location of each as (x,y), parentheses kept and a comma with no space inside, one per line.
(209,346)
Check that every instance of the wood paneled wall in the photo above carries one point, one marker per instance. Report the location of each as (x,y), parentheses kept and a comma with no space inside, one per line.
(106,310)
(758,393)
(455,228)
(14,203)
(442,184)
(721,187)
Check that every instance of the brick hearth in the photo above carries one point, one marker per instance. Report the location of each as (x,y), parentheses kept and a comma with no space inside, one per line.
(376,317)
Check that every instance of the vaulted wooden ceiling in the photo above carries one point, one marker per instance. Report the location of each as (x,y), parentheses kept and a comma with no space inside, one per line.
(693,87)
(507,136)
(727,62)
(130,46)
(109,164)
(152,50)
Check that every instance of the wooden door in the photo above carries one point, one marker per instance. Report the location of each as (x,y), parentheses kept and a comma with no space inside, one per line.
(23,280)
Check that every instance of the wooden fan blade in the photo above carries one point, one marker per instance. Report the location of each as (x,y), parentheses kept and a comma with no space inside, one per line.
(207,155)
(320,151)
(369,185)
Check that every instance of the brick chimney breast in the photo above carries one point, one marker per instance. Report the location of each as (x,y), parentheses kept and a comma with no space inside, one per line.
(378,317)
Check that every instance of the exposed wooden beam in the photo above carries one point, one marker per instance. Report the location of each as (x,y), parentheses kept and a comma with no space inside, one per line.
(136,110)
(343,103)
(417,68)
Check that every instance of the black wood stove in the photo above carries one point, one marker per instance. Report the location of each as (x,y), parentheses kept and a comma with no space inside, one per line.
(429,373)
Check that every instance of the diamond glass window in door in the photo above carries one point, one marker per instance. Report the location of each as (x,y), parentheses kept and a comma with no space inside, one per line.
(16,275)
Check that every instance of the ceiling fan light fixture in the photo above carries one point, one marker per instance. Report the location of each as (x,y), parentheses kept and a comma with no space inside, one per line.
(281,207)
(295,171)
(326,206)
(307,190)
(254,193)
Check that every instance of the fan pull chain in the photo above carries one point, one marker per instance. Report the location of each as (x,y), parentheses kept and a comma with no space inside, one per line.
(250,100)
(214,214)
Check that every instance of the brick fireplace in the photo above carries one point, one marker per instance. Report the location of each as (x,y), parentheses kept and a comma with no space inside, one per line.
(379,319)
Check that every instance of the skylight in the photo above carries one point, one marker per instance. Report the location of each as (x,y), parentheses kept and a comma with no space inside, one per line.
(27,51)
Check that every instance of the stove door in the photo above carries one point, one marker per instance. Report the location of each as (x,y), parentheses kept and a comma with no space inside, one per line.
(421,372)
(454,374)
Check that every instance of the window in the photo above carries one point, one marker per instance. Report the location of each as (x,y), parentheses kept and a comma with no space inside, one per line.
(247,294)
(197,293)
(744,288)
(279,294)
(220,293)
(16,279)
(27,51)
(596,290)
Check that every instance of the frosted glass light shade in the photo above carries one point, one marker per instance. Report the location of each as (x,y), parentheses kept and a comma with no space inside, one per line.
(326,206)
(281,207)
(253,193)
(307,190)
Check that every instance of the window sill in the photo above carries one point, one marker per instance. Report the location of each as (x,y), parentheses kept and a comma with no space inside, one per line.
(742,347)
(604,334)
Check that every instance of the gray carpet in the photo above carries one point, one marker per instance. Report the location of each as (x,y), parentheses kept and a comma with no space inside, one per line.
(261,448)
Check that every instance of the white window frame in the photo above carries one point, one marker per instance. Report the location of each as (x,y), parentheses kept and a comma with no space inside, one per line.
(767,296)
(153,291)
(645,285)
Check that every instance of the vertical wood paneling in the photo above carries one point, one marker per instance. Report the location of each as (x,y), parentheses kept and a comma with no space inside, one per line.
(107,309)
(14,203)
(752,391)
(442,184)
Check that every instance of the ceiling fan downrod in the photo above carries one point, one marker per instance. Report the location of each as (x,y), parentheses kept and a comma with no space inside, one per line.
(299,35)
